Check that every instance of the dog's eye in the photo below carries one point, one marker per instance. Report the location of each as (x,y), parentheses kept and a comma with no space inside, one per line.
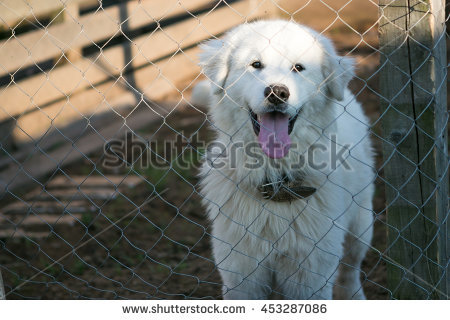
(256,64)
(298,67)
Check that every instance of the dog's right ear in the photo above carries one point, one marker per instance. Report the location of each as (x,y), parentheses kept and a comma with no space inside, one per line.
(213,60)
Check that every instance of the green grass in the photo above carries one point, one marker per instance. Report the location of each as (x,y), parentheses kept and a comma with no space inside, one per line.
(78,268)
(86,218)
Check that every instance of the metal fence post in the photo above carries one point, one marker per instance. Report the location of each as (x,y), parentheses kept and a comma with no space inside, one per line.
(414,117)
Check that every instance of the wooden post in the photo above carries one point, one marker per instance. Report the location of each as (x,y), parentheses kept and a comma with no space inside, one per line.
(71,12)
(414,119)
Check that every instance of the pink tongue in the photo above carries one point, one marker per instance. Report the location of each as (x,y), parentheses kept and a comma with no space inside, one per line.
(273,134)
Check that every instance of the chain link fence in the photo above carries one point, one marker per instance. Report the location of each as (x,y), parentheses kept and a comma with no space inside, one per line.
(100,146)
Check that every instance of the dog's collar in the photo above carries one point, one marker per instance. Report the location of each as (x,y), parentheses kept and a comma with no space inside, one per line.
(285,190)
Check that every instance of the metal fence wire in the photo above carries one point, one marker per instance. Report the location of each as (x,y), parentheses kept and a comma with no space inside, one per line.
(101,147)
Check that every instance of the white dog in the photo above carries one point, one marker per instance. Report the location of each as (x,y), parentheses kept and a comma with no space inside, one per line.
(290,192)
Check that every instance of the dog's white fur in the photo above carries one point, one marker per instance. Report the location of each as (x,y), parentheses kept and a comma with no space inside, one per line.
(296,249)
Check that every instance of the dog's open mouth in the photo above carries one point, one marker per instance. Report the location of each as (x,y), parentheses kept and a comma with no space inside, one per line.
(273,130)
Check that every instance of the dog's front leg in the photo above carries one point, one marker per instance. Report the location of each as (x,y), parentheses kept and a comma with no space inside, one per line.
(243,276)
(244,283)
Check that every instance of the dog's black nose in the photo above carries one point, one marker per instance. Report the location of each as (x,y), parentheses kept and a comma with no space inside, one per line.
(277,93)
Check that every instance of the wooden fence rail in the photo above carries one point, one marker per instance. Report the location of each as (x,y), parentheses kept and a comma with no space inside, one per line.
(51,42)
(12,12)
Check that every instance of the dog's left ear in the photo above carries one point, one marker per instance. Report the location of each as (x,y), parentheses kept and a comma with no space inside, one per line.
(338,71)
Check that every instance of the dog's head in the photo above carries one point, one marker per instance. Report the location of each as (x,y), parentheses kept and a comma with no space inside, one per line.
(272,72)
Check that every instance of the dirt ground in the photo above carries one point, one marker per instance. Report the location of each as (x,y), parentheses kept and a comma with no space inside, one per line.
(141,246)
